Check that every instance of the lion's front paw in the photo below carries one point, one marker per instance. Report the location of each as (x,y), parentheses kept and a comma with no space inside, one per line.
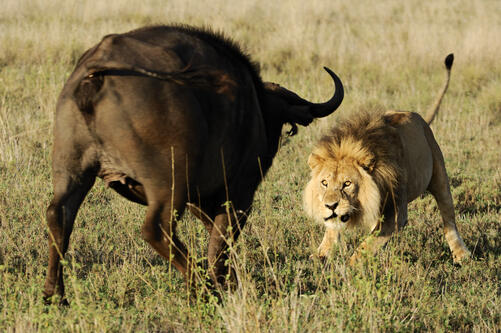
(354,259)
(315,256)
(461,256)
(321,255)
(323,252)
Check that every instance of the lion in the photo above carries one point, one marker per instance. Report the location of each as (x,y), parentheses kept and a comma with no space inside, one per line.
(369,167)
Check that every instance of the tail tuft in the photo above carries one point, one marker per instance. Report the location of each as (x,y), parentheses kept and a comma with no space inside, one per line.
(430,115)
(449,60)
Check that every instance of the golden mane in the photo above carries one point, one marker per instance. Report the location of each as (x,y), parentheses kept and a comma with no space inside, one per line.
(369,140)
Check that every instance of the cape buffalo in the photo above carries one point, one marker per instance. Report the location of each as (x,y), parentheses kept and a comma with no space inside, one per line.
(170,117)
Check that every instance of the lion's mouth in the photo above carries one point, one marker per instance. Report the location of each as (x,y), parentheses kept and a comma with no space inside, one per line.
(345,217)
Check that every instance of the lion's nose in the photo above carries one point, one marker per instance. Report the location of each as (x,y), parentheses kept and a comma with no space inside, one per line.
(331,206)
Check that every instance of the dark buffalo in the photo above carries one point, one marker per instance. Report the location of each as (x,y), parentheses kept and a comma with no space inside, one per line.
(169,117)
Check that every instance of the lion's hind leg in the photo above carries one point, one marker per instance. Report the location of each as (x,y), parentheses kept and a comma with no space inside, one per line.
(439,188)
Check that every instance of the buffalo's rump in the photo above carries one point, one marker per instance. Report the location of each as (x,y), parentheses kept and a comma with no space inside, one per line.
(144,127)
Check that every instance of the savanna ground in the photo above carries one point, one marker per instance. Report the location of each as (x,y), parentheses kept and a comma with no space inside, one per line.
(388,54)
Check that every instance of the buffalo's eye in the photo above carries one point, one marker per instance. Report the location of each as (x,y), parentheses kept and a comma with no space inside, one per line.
(347,183)
(324,183)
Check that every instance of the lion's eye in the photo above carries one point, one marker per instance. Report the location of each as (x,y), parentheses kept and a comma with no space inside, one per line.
(347,183)
(324,182)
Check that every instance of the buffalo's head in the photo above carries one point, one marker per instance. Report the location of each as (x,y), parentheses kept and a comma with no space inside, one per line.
(286,106)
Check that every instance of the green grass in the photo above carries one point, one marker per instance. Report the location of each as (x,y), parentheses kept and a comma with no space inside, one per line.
(388,55)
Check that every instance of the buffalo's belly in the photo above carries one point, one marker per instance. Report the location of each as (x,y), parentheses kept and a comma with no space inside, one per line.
(123,181)
(116,177)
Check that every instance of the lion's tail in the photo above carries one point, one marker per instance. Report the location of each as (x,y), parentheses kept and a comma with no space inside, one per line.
(430,115)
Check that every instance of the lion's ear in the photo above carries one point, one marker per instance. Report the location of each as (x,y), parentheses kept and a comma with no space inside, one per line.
(314,160)
(368,164)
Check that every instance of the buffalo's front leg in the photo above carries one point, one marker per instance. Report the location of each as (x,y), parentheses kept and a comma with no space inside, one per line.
(68,195)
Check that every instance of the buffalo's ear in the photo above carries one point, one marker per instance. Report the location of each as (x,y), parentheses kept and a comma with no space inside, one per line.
(315,160)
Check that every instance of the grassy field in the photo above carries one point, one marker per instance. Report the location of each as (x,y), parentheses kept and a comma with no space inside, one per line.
(389,55)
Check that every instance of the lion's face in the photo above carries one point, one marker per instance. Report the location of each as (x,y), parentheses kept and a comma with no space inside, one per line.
(333,192)
(341,191)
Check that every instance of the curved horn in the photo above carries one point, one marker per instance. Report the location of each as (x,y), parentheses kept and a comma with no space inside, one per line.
(319,110)
(316,110)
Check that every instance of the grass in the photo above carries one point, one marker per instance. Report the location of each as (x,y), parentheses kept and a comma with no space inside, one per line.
(388,55)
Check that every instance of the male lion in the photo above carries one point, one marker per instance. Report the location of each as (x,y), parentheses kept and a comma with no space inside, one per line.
(373,165)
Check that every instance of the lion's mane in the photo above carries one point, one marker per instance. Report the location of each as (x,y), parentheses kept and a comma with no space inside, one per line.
(369,140)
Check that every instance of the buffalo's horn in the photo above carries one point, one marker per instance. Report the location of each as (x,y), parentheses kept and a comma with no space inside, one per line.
(318,110)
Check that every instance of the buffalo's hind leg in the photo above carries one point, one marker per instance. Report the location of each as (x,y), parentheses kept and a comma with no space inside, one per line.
(227,227)
(159,228)
(69,192)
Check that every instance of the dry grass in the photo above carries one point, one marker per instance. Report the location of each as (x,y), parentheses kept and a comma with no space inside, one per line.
(389,55)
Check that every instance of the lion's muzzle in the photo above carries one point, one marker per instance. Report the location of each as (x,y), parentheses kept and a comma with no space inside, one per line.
(338,209)
(332,207)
